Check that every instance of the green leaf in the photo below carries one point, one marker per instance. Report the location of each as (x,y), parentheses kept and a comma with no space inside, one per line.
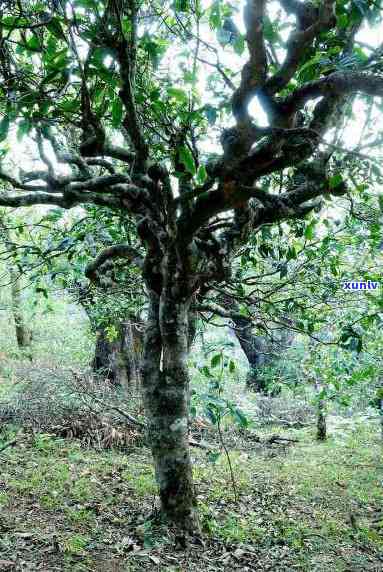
(61,63)
(187,159)
(117,112)
(215,17)
(111,333)
(335,181)
(211,114)
(154,48)
(283,270)
(50,77)
(216,360)
(213,456)
(54,214)
(239,417)
(23,129)
(181,6)
(211,400)
(291,253)
(239,45)
(55,28)
(42,290)
(211,415)
(201,175)
(126,25)
(86,3)
(309,231)
(178,94)
(342,21)
(155,94)
(206,371)
(270,30)
(4,127)
(33,43)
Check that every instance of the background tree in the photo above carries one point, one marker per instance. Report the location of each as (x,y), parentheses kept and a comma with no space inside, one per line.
(22,330)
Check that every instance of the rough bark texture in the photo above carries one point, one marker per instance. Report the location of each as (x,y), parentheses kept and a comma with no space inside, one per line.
(259,351)
(321,424)
(166,398)
(119,360)
(321,416)
(256,352)
(256,349)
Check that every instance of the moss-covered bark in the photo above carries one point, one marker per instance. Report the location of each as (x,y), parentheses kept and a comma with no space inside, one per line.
(166,398)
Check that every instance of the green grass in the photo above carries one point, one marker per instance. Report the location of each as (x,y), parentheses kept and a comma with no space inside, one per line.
(294,506)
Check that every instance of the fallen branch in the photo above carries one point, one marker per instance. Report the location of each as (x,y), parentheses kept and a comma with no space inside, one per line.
(9,444)
(115,408)
(292,424)
(126,415)
(278,439)
(199,444)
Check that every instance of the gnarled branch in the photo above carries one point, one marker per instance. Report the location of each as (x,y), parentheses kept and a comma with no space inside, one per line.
(117,251)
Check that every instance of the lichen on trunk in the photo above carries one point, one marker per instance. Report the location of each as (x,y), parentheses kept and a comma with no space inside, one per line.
(166,398)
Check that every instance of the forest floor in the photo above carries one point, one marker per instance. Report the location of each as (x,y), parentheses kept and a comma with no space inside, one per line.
(302,506)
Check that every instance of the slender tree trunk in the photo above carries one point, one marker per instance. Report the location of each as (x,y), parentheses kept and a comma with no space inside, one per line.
(23,332)
(166,399)
(321,416)
(321,424)
(132,348)
(192,329)
(380,405)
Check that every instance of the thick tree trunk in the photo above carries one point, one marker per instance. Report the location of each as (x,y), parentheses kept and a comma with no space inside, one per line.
(260,351)
(254,347)
(166,399)
(107,361)
(255,350)
(119,360)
